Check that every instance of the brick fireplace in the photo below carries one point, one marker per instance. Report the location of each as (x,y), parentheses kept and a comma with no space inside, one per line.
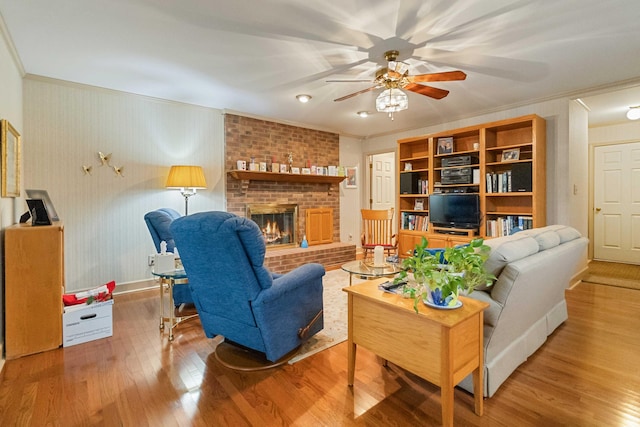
(268,142)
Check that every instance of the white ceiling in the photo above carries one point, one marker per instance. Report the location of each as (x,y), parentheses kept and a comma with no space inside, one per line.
(254,56)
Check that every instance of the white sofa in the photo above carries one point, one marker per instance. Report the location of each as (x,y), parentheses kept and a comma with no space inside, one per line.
(527,301)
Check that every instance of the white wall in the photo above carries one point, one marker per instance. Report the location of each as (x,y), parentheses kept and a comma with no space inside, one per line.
(351,198)
(560,178)
(578,193)
(105,235)
(11,110)
(615,134)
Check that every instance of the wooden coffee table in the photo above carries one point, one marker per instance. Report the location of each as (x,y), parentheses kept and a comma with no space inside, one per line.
(441,346)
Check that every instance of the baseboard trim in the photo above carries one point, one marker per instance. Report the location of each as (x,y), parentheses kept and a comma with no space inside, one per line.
(577,278)
(137,286)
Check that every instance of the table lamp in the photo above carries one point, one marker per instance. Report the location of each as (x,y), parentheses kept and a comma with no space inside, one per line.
(188,179)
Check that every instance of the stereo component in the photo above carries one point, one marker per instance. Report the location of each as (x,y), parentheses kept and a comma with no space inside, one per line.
(459,161)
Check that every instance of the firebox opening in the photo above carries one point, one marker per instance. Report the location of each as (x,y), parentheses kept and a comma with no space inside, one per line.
(278,223)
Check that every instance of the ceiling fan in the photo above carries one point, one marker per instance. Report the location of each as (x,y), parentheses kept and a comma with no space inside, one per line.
(395,77)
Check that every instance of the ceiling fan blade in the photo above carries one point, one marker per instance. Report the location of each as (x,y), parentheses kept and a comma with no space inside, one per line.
(438,77)
(369,89)
(432,92)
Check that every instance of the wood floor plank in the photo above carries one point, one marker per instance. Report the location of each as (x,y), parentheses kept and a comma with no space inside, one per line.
(586,374)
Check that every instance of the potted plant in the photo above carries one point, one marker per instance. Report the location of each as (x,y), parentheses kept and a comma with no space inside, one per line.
(439,276)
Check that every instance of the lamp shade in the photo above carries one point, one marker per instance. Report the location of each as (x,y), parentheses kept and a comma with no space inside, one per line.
(186,177)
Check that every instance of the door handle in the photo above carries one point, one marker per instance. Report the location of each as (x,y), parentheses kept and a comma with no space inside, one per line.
(598,209)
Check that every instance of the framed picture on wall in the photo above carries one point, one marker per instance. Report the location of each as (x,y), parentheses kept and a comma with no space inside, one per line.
(352,177)
(10,140)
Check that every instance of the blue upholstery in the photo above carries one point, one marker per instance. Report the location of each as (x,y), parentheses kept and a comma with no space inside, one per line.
(236,295)
(158,223)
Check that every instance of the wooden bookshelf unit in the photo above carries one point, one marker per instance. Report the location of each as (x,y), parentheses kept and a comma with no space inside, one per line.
(507,171)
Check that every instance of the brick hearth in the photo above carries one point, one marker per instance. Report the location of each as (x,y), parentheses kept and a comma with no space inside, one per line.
(331,256)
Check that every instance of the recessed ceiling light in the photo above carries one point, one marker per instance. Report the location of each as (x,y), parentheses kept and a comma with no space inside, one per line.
(303,98)
(363,114)
(633,113)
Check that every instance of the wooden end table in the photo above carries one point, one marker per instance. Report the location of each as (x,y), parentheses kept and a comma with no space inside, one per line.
(440,346)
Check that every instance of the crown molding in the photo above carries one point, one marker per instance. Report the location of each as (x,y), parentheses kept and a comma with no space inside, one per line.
(11,47)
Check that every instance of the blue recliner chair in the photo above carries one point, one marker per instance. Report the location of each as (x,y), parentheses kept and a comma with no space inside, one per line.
(236,296)
(158,223)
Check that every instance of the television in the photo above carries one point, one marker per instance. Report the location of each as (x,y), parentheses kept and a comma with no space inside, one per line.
(457,210)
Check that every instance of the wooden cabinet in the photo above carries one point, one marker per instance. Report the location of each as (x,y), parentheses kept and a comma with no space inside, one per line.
(506,168)
(319,226)
(34,283)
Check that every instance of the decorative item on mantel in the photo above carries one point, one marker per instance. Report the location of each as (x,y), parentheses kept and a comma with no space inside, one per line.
(290,158)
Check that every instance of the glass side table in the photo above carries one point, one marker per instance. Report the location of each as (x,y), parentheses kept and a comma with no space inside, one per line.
(168,280)
(369,270)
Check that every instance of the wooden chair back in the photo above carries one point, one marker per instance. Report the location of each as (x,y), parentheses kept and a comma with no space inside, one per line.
(377,230)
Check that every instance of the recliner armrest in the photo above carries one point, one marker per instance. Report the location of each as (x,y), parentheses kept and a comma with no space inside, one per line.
(296,278)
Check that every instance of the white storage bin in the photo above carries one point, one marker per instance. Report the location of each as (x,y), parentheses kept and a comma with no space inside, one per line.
(84,323)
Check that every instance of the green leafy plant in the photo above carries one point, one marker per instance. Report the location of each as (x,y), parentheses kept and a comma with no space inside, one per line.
(441,275)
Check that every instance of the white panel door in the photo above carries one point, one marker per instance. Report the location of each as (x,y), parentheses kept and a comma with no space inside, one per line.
(616,200)
(383,185)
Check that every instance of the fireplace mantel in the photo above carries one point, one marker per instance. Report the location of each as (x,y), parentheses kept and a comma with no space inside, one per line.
(247,176)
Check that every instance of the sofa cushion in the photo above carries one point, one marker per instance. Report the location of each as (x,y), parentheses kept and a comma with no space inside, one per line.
(566,233)
(509,249)
(548,240)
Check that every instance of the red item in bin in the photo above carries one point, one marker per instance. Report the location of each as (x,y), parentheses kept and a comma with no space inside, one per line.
(101,293)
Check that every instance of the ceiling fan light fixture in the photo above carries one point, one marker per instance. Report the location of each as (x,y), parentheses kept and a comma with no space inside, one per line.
(633,113)
(391,101)
(303,98)
(398,66)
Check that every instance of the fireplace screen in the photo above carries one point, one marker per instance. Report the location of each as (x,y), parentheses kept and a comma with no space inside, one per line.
(278,223)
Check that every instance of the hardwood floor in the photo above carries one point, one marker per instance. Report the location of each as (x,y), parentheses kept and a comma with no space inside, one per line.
(587,374)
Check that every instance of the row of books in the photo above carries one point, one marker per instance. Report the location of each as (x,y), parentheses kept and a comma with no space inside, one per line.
(418,222)
(504,226)
(498,182)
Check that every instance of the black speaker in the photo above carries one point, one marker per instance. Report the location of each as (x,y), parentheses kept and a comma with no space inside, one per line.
(521,177)
(409,182)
